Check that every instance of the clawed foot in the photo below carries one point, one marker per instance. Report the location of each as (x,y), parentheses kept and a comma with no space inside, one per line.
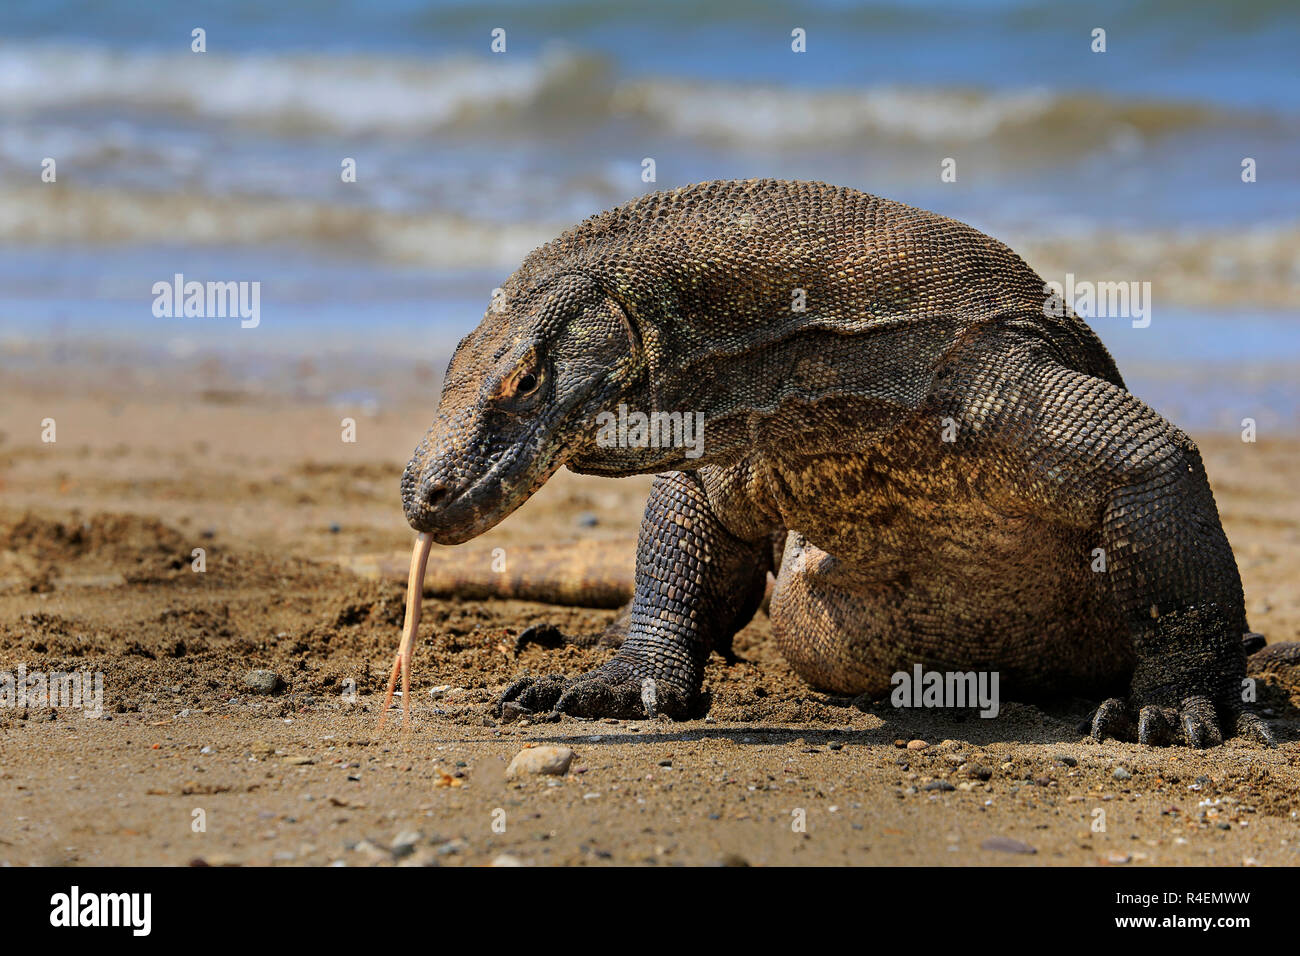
(610,691)
(1196,723)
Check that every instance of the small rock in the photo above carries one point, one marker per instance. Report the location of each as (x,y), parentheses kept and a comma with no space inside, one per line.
(1119,859)
(1001,844)
(263,682)
(370,849)
(938,785)
(587,520)
(733,859)
(916,745)
(540,760)
(1122,774)
(299,761)
(979,772)
(406,840)
(505,859)
(1066,759)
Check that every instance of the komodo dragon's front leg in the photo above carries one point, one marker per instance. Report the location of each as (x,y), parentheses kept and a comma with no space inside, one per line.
(696,584)
(1093,455)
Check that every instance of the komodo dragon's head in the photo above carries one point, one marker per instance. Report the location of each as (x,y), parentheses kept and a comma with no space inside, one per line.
(518,401)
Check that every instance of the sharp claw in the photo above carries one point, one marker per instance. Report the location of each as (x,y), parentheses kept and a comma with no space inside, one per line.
(1193,732)
(510,711)
(1200,723)
(1154,727)
(600,693)
(1112,720)
(530,695)
(1253,727)
(1196,723)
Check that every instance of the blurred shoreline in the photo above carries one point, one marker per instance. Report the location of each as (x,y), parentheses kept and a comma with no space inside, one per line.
(229,165)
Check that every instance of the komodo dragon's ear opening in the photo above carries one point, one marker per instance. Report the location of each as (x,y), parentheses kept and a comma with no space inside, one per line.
(640,334)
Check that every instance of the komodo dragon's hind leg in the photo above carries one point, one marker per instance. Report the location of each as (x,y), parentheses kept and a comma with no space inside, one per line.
(1091,455)
(694,582)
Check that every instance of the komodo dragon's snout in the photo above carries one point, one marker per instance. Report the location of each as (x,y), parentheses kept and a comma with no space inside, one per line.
(519,398)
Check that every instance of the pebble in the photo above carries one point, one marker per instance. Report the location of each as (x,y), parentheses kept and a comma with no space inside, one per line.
(979,772)
(916,745)
(505,859)
(407,838)
(1001,844)
(1122,774)
(371,850)
(938,785)
(263,682)
(1066,759)
(587,520)
(540,760)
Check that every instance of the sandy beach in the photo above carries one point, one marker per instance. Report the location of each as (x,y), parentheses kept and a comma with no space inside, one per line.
(97,538)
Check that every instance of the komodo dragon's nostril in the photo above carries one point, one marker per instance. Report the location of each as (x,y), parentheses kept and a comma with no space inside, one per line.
(434,495)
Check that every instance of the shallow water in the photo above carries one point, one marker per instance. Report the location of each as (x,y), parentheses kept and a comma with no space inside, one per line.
(226,165)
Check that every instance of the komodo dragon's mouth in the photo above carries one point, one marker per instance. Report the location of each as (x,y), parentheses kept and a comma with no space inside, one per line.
(424,541)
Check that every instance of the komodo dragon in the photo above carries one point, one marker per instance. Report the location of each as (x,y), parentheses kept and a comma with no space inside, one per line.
(885,395)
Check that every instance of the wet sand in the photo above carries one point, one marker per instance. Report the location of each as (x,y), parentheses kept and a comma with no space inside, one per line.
(97,532)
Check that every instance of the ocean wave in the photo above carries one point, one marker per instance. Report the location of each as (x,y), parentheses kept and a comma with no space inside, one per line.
(350,93)
(1233,265)
(781,116)
(118,216)
(360,92)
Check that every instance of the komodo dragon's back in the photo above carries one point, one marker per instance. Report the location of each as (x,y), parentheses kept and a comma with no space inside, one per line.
(698,269)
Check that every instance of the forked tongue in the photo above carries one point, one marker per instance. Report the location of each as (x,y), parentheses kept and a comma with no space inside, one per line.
(402,664)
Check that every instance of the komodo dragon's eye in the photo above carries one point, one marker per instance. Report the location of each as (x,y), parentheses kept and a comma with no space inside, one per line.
(523,383)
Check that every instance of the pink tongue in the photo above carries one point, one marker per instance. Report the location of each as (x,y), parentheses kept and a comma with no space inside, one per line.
(414,596)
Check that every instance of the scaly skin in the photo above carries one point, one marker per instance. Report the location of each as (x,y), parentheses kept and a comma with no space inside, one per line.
(939,454)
